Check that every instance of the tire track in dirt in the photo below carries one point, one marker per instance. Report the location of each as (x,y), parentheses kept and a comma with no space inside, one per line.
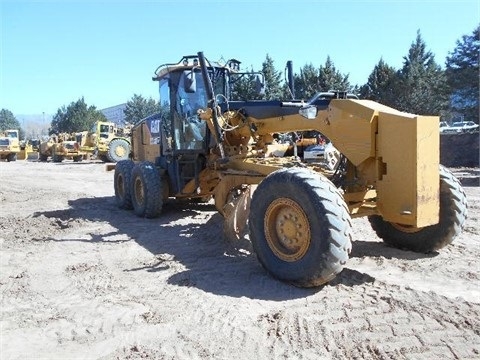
(389,322)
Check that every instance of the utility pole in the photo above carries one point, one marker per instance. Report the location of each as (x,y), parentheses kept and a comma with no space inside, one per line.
(44,131)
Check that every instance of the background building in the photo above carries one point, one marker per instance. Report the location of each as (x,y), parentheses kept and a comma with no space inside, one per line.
(115,113)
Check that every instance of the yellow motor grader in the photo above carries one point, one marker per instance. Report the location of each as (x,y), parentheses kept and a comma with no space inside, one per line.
(202,145)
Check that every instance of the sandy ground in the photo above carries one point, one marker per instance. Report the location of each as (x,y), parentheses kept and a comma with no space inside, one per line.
(82,279)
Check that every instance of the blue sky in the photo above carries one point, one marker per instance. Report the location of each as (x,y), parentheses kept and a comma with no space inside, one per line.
(55,52)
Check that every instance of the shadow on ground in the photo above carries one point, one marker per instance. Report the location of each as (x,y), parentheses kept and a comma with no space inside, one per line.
(212,263)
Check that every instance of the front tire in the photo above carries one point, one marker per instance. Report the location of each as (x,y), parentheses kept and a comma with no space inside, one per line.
(12,157)
(146,190)
(118,150)
(121,183)
(300,227)
(453,213)
(103,158)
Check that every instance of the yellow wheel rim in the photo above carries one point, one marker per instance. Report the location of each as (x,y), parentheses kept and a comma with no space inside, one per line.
(120,151)
(287,229)
(139,191)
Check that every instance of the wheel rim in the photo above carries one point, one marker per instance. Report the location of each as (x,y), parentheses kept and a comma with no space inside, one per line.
(120,151)
(139,191)
(287,229)
(406,228)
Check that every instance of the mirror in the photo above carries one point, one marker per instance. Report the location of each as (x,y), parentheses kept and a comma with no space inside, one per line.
(189,81)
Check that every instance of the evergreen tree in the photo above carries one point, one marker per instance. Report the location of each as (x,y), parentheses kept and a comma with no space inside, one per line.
(273,79)
(422,87)
(75,117)
(244,88)
(381,84)
(329,78)
(138,108)
(8,120)
(462,71)
(286,94)
(325,78)
(306,83)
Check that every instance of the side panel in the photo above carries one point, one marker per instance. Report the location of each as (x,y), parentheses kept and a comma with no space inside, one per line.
(408,169)
(351,127)
(146,140)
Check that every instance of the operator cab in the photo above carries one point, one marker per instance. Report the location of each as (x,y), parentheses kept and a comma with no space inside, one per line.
(182,94)
(104,130)
(186,137)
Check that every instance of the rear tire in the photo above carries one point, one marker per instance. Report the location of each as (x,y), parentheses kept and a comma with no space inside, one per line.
(146,190)
(12,157)
(103,158)
(122,178)
(118,150)
(300,227)
(453,213)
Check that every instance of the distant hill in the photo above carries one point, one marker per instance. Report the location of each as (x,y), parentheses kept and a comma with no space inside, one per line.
(33,118)
(113,113)
(36,125)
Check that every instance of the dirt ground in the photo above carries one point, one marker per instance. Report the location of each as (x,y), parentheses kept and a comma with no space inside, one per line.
(82,279)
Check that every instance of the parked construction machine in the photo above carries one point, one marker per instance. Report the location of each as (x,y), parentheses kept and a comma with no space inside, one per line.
(12,149)
(29,150)
(106,141)
(60,147)
(9,145)
(299,214)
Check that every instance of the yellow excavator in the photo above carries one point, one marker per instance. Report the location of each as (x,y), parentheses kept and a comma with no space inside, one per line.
(203,145)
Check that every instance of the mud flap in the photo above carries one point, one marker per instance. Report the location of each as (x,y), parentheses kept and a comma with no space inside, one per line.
(236,213)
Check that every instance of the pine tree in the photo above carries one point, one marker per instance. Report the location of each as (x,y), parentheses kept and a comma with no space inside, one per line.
(381,84)
(8,120)
(138,108)
(462,71)
(273,79)
(422,83)
(306,83)
(244,88)
(75,117)
(325,78)
(329,78)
